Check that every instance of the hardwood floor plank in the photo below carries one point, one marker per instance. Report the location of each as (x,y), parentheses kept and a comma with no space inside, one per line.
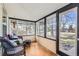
(36,49)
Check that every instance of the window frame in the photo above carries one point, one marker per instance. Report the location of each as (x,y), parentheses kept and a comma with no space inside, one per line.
(24,21)
(38,23)
(65,12)
(49,18)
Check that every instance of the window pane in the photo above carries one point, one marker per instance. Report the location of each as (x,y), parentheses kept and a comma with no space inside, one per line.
(67,34)
(37,28)
(51,27)
(30,27)
(23,27)
(40,28)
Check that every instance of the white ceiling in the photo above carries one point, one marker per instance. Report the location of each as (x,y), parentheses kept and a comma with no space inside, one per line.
(31,11)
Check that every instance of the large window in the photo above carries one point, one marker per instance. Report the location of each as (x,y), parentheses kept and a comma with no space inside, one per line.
(40,28)
(68,32)
(37,28)
(23,27)
(30,28)
(51,27)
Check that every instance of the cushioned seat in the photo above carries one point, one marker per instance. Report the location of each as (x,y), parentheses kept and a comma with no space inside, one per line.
(15,50)
(11,48)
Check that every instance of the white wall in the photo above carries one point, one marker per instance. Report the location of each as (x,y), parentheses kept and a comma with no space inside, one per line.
(1,20)
(47,43)
(0,27)
(32,38)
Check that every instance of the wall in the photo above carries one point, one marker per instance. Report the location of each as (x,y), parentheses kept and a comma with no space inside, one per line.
(47,43)
(1,20)
(1,27)
(27,37)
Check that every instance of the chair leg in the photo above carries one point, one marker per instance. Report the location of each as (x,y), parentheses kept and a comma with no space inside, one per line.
(4,53)
(24,50)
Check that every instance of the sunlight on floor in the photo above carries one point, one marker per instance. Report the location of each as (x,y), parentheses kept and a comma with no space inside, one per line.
(37,50)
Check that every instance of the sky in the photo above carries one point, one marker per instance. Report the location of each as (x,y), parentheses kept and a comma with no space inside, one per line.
(69,18)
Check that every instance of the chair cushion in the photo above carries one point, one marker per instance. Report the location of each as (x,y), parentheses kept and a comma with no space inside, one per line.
(13,43)
(20,40)
(15,50)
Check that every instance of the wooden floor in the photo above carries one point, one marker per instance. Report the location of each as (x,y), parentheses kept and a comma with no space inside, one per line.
(37,50)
